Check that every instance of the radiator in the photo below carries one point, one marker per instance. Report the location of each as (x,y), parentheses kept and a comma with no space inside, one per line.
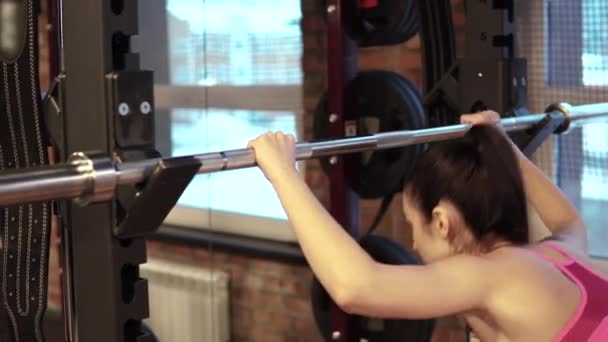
(187,304)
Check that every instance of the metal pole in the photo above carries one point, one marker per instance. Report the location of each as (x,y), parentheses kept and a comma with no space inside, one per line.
(65,181)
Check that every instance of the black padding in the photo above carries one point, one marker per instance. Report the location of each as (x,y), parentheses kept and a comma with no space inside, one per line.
(24,229)
(381,101)
(375,330)
(391,22)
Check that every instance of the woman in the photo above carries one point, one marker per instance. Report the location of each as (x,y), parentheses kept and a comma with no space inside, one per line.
(467,207)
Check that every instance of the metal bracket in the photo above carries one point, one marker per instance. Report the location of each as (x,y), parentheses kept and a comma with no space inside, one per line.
(499,84)
(52,107)
(159,195)
(131,101)
(540,132)
(445,90)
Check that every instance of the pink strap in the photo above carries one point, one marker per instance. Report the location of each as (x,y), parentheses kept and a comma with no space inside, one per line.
(601,332)
(569,259)
(559,264)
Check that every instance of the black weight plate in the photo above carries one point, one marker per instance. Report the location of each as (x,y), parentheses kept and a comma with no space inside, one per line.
(412,97)
(385,170)
(415,102)
(409,24)
(391,22)
(377,98)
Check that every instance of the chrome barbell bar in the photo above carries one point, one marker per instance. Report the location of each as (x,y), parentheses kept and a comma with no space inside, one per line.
(91,179)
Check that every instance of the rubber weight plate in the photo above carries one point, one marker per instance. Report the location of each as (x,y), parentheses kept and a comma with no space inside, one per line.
(391,22)
(386,251)
(382,101)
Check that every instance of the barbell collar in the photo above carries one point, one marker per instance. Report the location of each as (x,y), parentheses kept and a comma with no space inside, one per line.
(99,177)
(564,109)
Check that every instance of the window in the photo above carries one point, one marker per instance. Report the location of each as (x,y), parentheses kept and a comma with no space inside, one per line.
(595,46)
(230,70)
(567,51)
(561,40)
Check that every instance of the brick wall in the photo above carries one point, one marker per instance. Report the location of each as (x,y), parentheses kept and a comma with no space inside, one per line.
(270,299)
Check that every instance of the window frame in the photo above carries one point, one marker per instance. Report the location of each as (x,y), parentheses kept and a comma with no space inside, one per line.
(262,97)
(540,88)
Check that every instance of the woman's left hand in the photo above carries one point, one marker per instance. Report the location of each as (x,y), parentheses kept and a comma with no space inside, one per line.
(275,154)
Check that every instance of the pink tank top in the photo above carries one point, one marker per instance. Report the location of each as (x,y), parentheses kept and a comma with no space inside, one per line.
(590,322)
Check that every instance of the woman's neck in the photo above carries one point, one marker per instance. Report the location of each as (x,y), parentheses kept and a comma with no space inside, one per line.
(488,246)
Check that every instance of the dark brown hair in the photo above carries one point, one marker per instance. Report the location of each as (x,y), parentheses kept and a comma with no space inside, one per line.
(478,174)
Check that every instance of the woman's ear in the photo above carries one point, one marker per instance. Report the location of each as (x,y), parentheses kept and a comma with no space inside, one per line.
(441,221)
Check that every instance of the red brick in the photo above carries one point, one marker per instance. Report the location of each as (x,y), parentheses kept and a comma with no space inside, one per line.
(268,267)
(458,336)
(298,306)
(322,194)
(313,63)
(313,24)
(255,282)
(279,285)
(384,58)
(441,335)
(241,318)
(413,43)
(203,254)
(235,272)
(316,177)
(310,104)
(264,334)
(55,290)
(152,245)
(303,272)
(240,312)
(411,59)
(183,250)
(458,18)
(54,299)
(294,286)
(256,298)
(239,260)
(311,8)
(238,330)
(278,320)
(451,322)
(313,43)
(305,327)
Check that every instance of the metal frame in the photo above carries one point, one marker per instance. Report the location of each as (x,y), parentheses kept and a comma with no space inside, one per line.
(344,203)
(100,270)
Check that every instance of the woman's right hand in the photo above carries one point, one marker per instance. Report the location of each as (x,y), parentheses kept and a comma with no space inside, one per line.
(487,117)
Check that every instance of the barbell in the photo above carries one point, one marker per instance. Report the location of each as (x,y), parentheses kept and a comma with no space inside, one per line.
(89,178)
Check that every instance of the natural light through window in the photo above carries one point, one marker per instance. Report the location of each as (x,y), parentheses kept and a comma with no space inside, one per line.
(232,44)
(595,38)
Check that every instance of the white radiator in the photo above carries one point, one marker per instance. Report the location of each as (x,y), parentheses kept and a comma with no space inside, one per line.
(187,304)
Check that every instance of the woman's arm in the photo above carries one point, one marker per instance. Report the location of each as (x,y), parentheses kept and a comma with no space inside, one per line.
(353,279)
(553,207)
